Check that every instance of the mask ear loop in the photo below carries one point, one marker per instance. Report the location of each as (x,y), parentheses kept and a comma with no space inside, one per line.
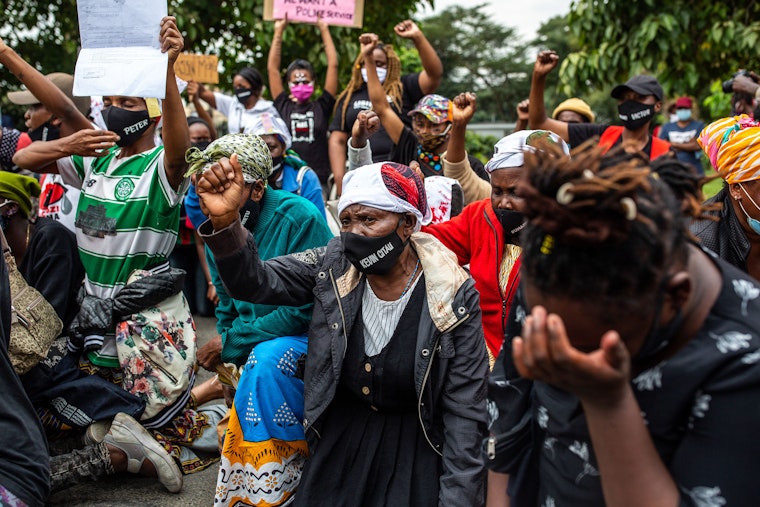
(748,197)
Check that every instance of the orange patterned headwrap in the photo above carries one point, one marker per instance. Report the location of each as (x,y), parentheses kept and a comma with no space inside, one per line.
(733,147)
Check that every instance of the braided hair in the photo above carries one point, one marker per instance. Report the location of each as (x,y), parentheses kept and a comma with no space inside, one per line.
(392,84)
(604,227)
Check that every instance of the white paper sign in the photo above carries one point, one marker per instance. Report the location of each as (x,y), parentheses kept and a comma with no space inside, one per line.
(121,54)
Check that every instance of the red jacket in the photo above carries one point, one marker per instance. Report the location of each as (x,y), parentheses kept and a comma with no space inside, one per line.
(476,237)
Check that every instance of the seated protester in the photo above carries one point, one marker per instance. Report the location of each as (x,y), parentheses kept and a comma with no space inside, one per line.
(127,223)
(307,119)
(732,230)
(486,234)
(426,142)
(265,340)
(24,462)
(403,91)
(445,196)
(639,101)
(289,171)
(405,322)
(629,373)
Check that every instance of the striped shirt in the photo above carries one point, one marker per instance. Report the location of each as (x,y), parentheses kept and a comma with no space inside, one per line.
(127,217)
(381,317)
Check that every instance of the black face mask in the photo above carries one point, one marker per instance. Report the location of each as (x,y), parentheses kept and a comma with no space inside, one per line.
(659,336)
(129,125)
(243,94)
(373,256)
(201,145)
(45,132)
(634,114)
(249,214)
(512,222)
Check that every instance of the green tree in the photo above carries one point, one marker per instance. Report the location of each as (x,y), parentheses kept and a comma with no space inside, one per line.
(46,34)
(482,56)
(687,44)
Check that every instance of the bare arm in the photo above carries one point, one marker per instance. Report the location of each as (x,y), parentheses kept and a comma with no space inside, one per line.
(687,146)
(455,162)
(432,68)
(175,134)
(523,110)
(206,95)
(40,157)
(45,91)
(192,93)
(275,58)
(336,145)
(388,117)
(331,79)
(538,119)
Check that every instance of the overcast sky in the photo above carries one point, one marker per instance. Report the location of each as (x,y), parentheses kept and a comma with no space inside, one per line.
(524,15)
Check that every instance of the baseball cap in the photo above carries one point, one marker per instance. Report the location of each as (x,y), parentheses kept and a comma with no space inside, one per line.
(62,81)
(509,151)
(435,108)
(575,105)
(641,84)
(683,103)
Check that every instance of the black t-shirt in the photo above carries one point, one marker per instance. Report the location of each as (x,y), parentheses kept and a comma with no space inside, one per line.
(308,124)
(577,133)
(382,145)
(406,151)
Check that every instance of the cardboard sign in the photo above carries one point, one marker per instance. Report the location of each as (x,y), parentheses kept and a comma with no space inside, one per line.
(333,12)
(199,68)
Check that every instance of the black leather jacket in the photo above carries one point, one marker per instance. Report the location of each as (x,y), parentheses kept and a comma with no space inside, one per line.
(451,361)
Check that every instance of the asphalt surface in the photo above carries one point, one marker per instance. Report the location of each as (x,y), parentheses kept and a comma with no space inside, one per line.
(127,490)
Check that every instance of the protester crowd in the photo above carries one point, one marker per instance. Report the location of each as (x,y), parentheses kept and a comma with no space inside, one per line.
(397,323)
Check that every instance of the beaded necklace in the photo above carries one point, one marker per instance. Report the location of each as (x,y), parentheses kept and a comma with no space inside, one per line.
(432,160)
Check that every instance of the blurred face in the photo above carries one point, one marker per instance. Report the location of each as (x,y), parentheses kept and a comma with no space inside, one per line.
(503,187)
(422,126)
(632,95)
(36,115)
(276,148)
(585,327)
(570,117)
(199,133)
(372,222)
(240,82)
(129,103)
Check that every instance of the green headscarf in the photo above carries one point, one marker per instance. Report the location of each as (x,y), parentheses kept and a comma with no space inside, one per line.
(252,151)
(19,189)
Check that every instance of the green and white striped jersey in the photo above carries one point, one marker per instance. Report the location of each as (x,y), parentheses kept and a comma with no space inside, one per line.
(127,218)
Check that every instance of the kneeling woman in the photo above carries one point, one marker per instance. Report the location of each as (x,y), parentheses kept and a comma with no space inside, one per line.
(394,397)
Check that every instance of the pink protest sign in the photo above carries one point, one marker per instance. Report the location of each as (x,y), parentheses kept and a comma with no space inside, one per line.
(334,12)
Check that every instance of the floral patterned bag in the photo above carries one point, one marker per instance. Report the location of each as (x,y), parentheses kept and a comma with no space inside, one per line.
(156,349)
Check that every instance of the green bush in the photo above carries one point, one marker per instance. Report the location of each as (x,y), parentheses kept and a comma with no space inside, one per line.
(480,146)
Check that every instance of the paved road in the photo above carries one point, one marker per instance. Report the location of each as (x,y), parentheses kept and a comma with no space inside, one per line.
(126,490)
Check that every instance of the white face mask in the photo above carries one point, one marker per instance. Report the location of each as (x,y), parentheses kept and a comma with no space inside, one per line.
(381,73)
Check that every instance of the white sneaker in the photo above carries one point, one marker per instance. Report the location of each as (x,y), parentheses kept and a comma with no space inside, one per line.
(128,435)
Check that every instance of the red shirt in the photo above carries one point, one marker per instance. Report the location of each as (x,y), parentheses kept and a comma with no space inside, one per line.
(477,239)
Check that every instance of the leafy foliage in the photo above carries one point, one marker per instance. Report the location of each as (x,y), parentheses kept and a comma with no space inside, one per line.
(481,56)
(687,44)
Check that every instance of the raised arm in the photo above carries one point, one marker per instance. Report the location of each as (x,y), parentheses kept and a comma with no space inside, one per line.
(206,95)
(432,68)
(331,79)
(359,150)
(546,61)
(45,91)
(175,134)
(192,94)
(388,117)
(455,162)
(275,58)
